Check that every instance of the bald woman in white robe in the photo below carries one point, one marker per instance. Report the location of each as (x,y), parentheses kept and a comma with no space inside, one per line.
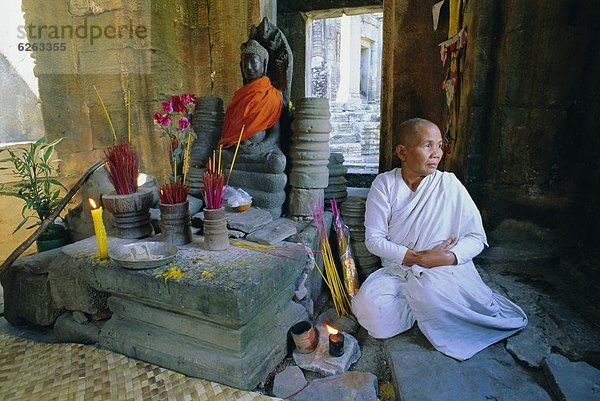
(426,229)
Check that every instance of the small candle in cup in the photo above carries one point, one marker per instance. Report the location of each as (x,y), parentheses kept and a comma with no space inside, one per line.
(99,230)
(336,342)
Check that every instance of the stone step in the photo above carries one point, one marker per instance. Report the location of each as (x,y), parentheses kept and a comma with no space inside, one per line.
(422,373)
(187,355)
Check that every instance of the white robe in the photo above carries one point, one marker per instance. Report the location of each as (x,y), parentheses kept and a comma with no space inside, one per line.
(454,309)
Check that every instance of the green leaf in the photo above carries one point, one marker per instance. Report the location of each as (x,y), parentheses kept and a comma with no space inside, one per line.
(55,182)
(31,226)
(21,224)
(47,153)
(55,142)
(40,141)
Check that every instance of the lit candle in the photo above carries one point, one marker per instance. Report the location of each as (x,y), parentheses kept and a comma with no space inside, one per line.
(336,342)
(99,230)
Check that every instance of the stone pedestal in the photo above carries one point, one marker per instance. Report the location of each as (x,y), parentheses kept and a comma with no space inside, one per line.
(226,320)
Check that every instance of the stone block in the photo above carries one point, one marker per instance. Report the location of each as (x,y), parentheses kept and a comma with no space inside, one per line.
(248,221)
(303,200)
(274,232)
(347,386)
(195,205)
(68,330)
(572,381)
(490,374)
(27,295)
(208,333)
(161,346)
(289,382)
(70,289)
(226,287)
(316,177)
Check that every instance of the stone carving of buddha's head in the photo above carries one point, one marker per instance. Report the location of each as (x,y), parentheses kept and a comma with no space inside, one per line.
(254,61)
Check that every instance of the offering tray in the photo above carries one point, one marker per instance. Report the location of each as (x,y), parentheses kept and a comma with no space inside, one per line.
(143,255)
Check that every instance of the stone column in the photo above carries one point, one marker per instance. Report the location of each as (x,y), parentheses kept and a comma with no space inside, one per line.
(207,121)
(349,90)
(309,154)
(337,182)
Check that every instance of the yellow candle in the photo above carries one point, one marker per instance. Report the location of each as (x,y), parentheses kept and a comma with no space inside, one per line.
(100,231)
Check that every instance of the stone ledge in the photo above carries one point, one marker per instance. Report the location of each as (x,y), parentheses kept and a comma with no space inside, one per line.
(227,287)
(185,354)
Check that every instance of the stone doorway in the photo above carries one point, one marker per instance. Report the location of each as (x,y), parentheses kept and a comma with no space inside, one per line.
(343,64)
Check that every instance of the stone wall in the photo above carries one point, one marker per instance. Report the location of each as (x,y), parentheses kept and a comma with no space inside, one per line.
(20,114)
(193,46)
(529,121)
(411,71)
(190,42)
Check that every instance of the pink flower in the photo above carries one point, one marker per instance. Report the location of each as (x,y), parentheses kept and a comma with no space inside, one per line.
(162,119)
(167,107)
(178,104)
(166,120)
(184,123)
(188,98)
(157,118)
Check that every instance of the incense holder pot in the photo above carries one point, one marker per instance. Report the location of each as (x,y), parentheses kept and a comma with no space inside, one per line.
(131,213)
(175,223)
(216,237)
(305,337)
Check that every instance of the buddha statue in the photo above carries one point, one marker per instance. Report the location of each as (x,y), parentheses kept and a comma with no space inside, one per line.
(259,108)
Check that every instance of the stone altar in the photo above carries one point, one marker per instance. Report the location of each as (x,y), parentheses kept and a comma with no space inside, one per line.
(226,320)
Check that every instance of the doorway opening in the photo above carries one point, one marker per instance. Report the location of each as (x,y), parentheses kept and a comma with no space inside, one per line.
(344,66)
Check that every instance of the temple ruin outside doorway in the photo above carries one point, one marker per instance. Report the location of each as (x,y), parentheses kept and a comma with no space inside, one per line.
(343,64)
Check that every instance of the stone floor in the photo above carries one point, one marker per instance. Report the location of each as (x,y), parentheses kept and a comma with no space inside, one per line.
(556,357)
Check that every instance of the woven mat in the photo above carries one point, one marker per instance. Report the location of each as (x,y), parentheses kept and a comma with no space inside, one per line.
(38,371)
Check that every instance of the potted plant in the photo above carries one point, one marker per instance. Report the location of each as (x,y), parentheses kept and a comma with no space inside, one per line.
(38,187)
(175,223)
(129,205)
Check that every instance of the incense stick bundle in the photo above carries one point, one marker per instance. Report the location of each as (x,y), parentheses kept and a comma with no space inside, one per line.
(122,167)
(213,185)
(331,277)
(173,193)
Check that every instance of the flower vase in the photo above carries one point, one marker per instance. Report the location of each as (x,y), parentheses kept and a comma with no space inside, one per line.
(216,237)
(131,213)
(175,223)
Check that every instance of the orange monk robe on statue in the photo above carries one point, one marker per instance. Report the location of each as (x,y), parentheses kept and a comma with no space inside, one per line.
(256,105)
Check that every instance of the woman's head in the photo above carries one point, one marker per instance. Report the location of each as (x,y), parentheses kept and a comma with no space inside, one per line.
(419,146)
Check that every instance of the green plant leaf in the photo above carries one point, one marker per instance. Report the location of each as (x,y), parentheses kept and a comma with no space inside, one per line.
(48,153)
(55,142)
(55,182)
(40,141)
(21,224)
